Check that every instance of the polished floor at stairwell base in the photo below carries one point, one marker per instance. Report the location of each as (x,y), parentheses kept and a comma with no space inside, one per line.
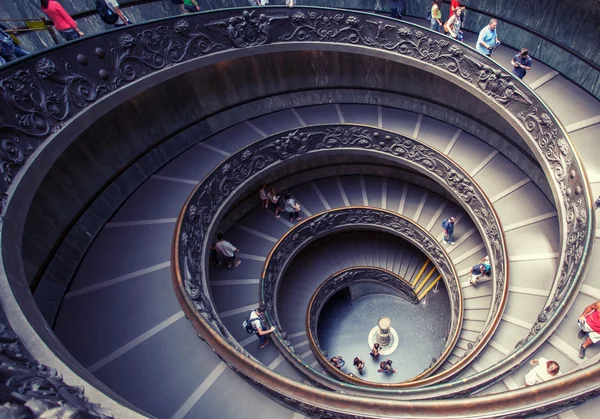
(344,327)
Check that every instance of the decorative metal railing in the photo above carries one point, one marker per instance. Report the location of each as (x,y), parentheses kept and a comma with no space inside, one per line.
(336,220)
(29,389)
(203,211)
(46,92)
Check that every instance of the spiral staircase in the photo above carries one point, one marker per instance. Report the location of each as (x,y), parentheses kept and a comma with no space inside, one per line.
(164,354)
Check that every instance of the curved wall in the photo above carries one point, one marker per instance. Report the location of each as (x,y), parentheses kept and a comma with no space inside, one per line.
(482,110)
(113,142)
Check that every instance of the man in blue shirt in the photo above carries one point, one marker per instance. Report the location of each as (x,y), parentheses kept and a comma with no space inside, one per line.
(521,63)
(448,226)
(488,39)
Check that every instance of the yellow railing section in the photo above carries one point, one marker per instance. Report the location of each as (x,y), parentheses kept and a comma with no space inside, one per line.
(419,281)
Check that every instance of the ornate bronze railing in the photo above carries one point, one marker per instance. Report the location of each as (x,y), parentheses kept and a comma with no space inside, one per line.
(29,389)
(46,92)
(348,218)
(202,212)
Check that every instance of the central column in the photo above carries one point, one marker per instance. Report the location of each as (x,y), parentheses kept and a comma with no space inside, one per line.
(385,335)
(384,331)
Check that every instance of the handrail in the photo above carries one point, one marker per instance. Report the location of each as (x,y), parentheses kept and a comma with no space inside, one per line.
(546,38)
(495,83)
(41,98)
(334,220)
(202,212)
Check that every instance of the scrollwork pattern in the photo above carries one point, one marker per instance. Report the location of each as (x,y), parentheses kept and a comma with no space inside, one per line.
(30,389)
(41,95)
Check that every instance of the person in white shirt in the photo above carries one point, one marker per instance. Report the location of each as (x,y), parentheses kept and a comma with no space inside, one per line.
(262,193)
(114,6)
(277,204)
(292,208)
(257,323)
(544,370)
(228,250)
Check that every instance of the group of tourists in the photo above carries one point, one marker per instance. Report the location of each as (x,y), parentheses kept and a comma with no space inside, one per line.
(385,366)
(270,199)
(110,12)
(487,41)
(455,18)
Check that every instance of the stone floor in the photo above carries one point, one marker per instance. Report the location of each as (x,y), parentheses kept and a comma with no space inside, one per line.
(344,327)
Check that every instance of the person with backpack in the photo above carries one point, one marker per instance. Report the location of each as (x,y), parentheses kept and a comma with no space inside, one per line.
(386,367)
(448,226)
(110,13)
(228,251)
(63,22)
(453,25)
(255,322)
(337,361)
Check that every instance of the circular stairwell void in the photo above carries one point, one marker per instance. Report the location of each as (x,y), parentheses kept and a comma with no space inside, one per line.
(344,325)
(347,305)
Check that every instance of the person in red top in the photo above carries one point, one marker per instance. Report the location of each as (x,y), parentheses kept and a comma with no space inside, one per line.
(454,4)
(589,323)
(63,22)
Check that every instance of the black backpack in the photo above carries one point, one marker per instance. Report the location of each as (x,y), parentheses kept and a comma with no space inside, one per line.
(105,12)
(247,324)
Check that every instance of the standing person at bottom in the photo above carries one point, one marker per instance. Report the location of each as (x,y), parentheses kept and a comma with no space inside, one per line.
(544,370)
(228,250)
(521,63)
(386,367)
(448,226)
(375,351)
(292,208)
(116,8)
(257,323)
(488,39)
(63,22)
(359,364)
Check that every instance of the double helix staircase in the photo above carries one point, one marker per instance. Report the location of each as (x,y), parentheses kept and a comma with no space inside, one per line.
(121,321)
(139,322)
